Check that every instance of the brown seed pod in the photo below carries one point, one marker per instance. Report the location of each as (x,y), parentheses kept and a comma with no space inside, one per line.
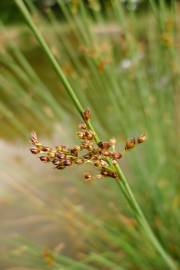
(60,167)
(86,115)
(97,163)
(87,176)
(141,138)
(130,144)
(67,162)
(34,138)
(44,158)
(79,161)
(56,161)
(82,126)
(116,155)
(45,148)
(80,134)
(60,155)
(104,145)
(35,150)
(105,153)
(51,154)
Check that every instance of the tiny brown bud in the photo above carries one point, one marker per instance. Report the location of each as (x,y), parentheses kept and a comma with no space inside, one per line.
(59,148)
(75,150)
(80,134)
(112,141)
(88,135)
(64,148)
(87,176)
(34,138)
(104,172)
(60,155)
(86,115)
(67,162)
(85,145)
(51,154)
(44,158)
(45,148)
(104,145)
(82,126)
(56,161)
(60,167)
(106,153)
(130,144)
(141,138)
(97,163)
(34,150)
(116,155)
(79,161)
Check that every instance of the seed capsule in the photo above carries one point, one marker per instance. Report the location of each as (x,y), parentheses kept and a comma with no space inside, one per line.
(60,155)
(67,162)
(45,148)
(60,167)
(130,144)
(44,158)
(87,176)
(34,138)
(51,154)
(141,138)
(116,155)
(86,115)
(106,153)
(34,150)
(104,145)
(56,161)
(82,126)
(79,161)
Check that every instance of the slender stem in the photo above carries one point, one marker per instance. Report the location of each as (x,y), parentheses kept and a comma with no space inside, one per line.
(122,181)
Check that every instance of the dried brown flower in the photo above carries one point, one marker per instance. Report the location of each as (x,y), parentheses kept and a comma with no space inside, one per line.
(101,155)
(141,138)
(86,115)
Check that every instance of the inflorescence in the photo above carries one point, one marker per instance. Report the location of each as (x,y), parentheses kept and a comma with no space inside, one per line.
(102,155)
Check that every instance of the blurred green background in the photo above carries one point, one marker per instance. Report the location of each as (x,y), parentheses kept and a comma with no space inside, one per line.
(122,59)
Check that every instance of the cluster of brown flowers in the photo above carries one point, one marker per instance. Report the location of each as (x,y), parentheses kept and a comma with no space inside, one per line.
(101,155)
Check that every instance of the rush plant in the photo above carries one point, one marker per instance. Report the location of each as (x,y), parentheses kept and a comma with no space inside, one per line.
(111,168)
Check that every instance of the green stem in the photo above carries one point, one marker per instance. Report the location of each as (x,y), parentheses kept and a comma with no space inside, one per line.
(122,181)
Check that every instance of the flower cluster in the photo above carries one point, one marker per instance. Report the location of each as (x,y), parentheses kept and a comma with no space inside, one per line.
(102,155)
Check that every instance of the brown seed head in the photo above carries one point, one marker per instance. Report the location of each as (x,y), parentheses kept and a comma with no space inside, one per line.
(45,148)
(116,155)
(60,155)
(86,115)
(112,141)
(104,145)
(44,158)
(87,176)
(105,153)
(67,162)
(130,144)
(79,161)
(34,150)
(141,138)
(82,126)
(60,167)
(51,154)
(34,138)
